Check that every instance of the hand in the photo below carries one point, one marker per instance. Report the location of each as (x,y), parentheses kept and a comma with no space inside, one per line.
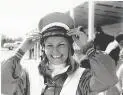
(31,38)
(79,37)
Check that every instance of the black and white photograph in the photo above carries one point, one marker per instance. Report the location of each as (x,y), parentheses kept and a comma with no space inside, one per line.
(61,47)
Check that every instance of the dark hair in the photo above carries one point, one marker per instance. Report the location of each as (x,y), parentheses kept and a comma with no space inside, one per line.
(85,64)
(102,39)
(119,38)
(115,54)
(99,30)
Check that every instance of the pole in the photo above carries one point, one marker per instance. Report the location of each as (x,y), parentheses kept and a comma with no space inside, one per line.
(91,34)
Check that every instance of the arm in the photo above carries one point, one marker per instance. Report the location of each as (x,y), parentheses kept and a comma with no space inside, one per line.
(103,75)
(103,68)
(102,65)
(11,72)
(14,79)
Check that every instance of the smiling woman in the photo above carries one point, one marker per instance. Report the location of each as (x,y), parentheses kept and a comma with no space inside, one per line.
(61,73)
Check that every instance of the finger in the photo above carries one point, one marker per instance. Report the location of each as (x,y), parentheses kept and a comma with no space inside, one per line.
(35,40)
(33,33)
(78,42)
(75,38)
(74,33)
(32,37)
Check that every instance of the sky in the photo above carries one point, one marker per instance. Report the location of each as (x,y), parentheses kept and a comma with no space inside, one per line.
(17,17)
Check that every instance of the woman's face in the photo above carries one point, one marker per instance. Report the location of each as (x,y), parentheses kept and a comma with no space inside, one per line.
(56,49)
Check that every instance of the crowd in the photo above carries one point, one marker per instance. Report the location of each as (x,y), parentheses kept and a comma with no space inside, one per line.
(95,67)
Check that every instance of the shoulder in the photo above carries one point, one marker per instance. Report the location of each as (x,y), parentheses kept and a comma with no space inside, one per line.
(85,77)
(84,83)
(9,62)
(87,74)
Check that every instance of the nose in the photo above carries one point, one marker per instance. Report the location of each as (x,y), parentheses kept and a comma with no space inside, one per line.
(55,52)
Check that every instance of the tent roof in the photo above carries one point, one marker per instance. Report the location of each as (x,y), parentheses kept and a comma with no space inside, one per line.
(106,12)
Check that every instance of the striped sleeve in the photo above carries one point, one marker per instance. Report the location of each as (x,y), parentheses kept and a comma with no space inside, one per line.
(14,79)
(84,83)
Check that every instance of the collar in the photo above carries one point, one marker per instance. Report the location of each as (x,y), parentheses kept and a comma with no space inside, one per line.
(59,71)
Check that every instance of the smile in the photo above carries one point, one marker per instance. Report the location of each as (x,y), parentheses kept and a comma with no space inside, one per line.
(56,56)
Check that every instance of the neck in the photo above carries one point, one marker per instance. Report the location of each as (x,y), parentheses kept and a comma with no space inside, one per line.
(58,69)
(58,66)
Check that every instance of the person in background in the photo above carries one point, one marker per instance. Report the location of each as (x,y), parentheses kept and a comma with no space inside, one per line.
(62,74)
(101,39)
(119,39)
(111,48)
(107,43)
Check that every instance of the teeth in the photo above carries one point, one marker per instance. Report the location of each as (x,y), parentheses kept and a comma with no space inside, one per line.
(56,56)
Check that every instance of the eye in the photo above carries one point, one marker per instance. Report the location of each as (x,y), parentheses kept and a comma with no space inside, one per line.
(49,45)
(62,44)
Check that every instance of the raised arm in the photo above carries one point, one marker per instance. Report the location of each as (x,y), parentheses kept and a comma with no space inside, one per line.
(14,79)
(102,65)
(103,68)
